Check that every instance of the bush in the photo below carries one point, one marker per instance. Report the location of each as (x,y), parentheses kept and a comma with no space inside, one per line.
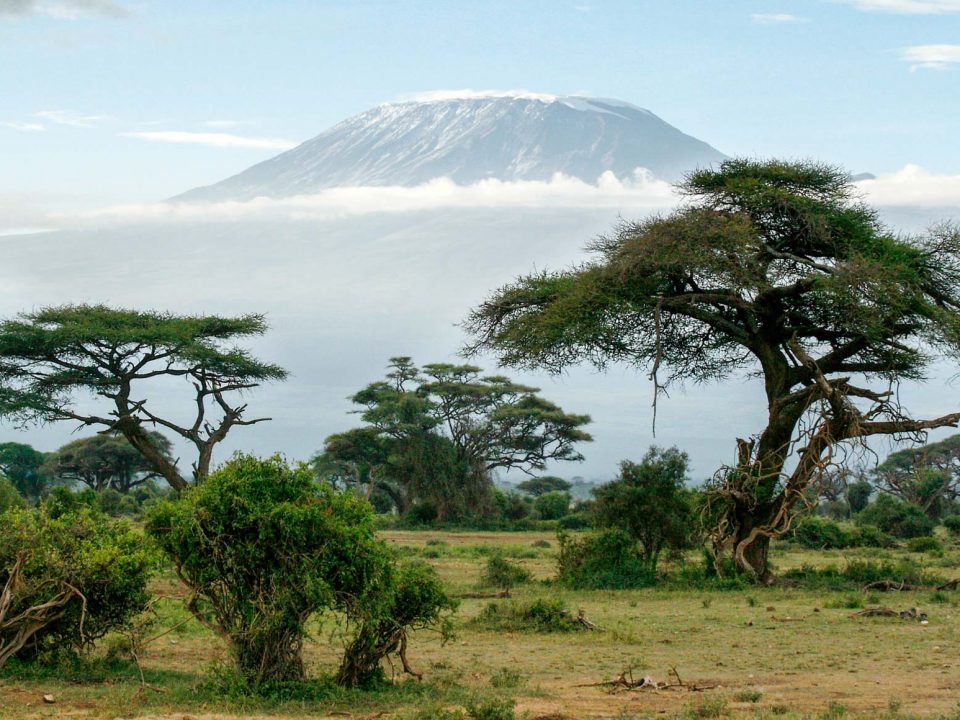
(552,505)
(503,574)
(543,616)
(854,575)
(91,569)
(512,505)
(896,517)
(952,524)
(263,547)
(819,533)
(604,560)
(491,710)
(924,543)
(574,521)
(9,496)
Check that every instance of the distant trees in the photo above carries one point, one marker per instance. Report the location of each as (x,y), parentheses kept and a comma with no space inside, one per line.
(436,434)
(649,501)
(50,357)
(105,461)
(927,476)
(772,267)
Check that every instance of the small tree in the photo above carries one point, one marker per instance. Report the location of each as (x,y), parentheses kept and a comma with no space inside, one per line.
(896,517)
(858,496)
(49,357)
(537,486)
(23,466)
(106,462)
(649,502)
(772,268)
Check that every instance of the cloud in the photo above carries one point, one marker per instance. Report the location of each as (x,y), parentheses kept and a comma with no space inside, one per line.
(907,7)
(23,126)
(776,18)
(64,9)
(912,186)
(223,140)
(469,94)
(63,117)
(931,57)
(224,123)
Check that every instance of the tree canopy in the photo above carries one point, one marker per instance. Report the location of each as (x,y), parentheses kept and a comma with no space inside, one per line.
(23,467)
(105,461)
(928,476)
(770,268)
(51,357)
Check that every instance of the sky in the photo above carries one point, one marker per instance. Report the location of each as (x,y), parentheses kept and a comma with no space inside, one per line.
(107,101)
(109,106)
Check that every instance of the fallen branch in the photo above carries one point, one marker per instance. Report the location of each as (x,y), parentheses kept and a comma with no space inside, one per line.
(910,614)
(885,585)
(626,682)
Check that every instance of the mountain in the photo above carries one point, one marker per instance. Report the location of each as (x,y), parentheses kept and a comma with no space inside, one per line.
(472,138)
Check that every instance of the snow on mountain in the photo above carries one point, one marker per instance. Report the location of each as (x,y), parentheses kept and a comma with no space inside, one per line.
(469,137)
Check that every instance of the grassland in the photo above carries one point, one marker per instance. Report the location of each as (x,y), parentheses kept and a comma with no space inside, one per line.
(784,651)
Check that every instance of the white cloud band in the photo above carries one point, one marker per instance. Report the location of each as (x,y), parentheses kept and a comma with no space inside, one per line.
(223,140)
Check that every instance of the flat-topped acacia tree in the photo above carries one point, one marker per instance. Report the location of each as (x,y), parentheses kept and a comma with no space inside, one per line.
(770,268)
(50,358)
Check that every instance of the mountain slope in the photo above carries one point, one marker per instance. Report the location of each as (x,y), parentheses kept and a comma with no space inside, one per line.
(468,139)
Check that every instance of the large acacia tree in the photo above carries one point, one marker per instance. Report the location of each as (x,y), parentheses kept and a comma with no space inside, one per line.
(439,431)
(51,358)
(770,268)
(104,462)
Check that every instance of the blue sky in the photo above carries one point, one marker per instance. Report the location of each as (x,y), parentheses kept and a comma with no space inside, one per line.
(871,84)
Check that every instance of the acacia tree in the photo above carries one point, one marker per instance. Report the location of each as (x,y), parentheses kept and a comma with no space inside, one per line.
(105,461)
(439,431)
(770,268)
(51,357)
(927,476)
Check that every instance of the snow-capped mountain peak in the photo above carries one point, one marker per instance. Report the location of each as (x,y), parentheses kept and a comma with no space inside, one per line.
(469,136)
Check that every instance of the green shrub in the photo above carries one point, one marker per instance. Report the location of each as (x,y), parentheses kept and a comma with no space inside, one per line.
(858,573)
(552,505)
(924,543)
(895,517)
(820,533)
(95,569)
(503,574)
(872,536)
(9,496)
(952,524)
(542,616)
(603,560)
(263,547)
(574,521)
(491,709)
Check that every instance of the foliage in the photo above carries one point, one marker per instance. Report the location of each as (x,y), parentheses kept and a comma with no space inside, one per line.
(512,505)
(952,524)
(819,533)
(649,502)
(501,573)
(858,496)
(50,357)
(537,486)
(262,546)
(408,597)
(540,615)
(605,560)
(552,505)
(103,462)
(857,573)
(492,709)
(437,433)
(772,267)
(22,466)
(896,517)
(9,497)
(91,570)
(927,476)
(924,543)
